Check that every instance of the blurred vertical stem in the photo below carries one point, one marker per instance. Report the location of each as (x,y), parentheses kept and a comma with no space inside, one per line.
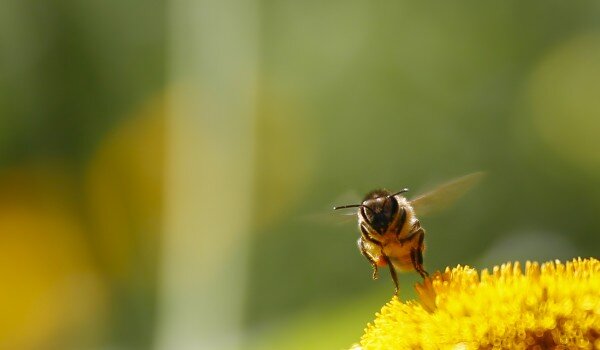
(213,74)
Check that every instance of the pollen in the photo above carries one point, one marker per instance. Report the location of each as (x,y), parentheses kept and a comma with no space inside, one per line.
(549,306)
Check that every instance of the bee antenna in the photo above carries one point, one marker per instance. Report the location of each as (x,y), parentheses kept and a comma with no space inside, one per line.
(347,206)
(399,192)
(353,206)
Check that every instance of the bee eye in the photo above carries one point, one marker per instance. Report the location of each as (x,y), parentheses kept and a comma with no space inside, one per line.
(367,213)
(390,206)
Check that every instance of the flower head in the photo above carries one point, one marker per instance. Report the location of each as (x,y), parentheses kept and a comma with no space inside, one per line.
(554,305)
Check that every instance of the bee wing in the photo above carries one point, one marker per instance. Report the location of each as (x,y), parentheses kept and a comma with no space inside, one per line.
(330,219)
(445,195)
(328,216)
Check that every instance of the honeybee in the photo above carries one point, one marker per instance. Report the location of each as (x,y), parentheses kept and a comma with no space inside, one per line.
(390,232)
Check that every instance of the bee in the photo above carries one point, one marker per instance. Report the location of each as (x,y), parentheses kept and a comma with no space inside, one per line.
(390,232)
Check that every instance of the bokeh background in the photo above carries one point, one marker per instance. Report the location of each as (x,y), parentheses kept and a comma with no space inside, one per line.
(167,168)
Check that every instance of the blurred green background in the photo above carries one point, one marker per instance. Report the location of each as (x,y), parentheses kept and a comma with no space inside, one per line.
(344,96)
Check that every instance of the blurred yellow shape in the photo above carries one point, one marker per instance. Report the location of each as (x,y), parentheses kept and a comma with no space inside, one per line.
(285,157)
(563,97)
(50,293)
(124,183)
(554,305)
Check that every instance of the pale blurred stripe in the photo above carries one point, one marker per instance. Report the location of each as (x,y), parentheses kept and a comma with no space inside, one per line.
(213,75)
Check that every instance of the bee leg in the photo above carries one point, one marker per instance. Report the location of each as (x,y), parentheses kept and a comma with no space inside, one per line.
(417,260)
(393,274)
(400,223)
(363,251)
(416,254)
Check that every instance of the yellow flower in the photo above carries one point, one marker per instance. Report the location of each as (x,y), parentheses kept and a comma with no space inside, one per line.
(552,306)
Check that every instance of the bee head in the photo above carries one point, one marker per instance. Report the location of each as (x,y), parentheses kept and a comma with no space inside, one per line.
(378,208)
